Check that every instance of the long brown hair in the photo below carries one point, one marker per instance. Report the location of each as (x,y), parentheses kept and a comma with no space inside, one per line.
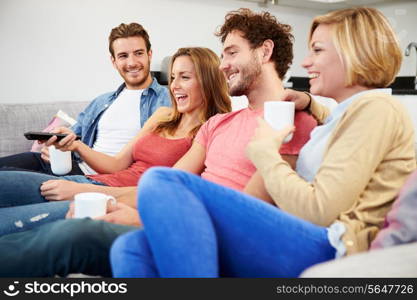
(213,87)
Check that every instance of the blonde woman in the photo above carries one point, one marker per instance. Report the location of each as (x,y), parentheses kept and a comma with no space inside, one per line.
(333,205)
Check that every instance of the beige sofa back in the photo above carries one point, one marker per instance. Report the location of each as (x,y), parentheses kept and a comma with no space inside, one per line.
(15,119)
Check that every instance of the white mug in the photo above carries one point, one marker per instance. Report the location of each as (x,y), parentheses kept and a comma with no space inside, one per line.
(91,205)
(279,114)
(61,162)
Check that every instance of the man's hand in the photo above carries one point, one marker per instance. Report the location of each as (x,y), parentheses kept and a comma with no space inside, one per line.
(56,190)
(68,143)
(45,154)
(70,212)
(301,99)
(121,213)
(118,213)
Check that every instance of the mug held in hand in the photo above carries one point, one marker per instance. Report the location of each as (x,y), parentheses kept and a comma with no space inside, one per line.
(61,162)
(279,114)
(91,205)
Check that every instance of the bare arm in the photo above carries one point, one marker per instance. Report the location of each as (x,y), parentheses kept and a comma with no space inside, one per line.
(193,160)
(103,163)
(256,186)
(129,197)
(56,190)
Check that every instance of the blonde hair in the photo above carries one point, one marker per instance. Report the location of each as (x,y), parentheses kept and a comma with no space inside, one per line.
(366,43)
(212,83)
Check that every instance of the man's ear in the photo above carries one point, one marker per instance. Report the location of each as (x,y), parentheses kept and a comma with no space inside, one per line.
(267,49)
(150,54)
(113,61)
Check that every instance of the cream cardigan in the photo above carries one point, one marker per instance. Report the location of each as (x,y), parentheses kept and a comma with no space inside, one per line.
(368,158)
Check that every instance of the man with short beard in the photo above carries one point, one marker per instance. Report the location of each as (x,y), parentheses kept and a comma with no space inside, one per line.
(100,125)
(217,153)
(257,52)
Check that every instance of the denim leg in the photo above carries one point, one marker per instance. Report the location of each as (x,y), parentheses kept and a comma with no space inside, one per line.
(21,188)
(32,161)
(81,179)
(22,206)
(198,228)
(26,217)
(125,259)
(60,248)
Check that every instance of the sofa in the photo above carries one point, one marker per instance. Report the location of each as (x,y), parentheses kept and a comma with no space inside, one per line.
(16,119)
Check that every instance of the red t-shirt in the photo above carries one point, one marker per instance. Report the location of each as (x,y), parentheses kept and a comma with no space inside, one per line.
(225,136)
(149,151)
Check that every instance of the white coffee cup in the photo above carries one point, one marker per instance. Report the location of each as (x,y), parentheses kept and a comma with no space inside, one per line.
(61,162)
(279,114)
(91,205)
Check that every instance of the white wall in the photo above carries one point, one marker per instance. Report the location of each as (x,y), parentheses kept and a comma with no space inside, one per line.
(55,50)
(403,17)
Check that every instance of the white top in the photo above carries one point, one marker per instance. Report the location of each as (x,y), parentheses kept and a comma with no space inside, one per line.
(117,126)
(311,155)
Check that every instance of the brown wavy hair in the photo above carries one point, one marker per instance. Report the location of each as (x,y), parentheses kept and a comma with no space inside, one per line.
(212,83)
(257,28)
(128,30)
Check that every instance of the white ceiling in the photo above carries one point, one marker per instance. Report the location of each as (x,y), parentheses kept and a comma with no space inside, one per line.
(324,6)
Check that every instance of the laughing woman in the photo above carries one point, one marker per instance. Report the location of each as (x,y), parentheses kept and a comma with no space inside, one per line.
(346,179)
(198,91)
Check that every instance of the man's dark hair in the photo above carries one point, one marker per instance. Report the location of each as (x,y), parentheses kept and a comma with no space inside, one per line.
(128,30)
(256,28)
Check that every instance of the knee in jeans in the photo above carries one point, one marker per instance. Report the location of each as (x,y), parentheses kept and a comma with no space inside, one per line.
(75,232)
(151,183)
(121,244)
(152,175)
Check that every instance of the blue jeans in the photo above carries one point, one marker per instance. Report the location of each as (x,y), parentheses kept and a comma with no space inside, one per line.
(60,248)
(22,207)
(32,161)
(195,228)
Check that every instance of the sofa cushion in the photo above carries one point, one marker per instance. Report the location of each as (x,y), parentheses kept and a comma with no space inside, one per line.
(16,119)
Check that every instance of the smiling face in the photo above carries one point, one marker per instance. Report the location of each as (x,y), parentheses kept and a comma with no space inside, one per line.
(132,61)
(240,64)
(324,66)
(185,86)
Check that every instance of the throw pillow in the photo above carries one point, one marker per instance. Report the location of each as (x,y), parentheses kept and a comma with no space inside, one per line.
(60,119)
(401,221)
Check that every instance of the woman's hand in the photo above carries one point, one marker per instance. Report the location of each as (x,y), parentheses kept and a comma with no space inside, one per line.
(66,144)
(57,190)
(265,131)
(121,213)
